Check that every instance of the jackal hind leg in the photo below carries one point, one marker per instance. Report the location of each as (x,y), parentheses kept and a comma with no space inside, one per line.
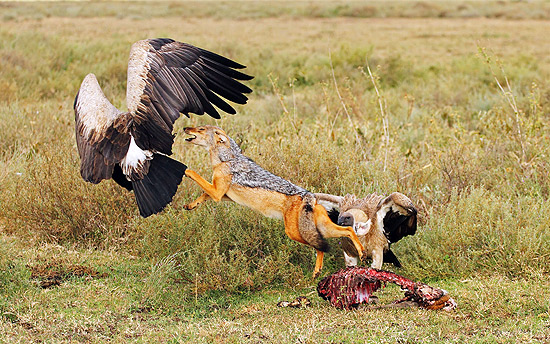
(195,203)
(318,264)
(293,217)
(331,230)
(292,223)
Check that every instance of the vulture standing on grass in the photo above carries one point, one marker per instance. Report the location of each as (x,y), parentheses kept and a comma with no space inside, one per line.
(378,221)
(165,79)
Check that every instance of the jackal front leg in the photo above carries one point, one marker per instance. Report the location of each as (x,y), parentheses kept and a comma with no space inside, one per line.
(215,190)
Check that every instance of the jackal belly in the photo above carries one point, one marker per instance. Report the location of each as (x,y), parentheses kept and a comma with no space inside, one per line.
(269,203)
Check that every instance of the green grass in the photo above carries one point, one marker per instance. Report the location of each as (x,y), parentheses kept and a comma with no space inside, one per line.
(143,301)
(476,169)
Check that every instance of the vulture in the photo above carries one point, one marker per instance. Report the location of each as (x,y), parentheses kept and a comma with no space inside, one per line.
(166,78)
(378,221)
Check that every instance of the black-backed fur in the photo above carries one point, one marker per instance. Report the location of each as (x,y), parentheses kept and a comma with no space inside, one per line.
(159,186)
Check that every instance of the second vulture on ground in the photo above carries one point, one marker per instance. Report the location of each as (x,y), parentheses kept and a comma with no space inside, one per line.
(378,221)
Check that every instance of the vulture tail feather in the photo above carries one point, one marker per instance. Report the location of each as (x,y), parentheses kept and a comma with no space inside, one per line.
(159,186)
(390,257)
(119,177)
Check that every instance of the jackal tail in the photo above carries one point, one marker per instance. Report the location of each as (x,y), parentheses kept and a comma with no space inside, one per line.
(308,229)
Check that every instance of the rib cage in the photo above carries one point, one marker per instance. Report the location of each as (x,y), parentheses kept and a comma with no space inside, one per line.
(350,287)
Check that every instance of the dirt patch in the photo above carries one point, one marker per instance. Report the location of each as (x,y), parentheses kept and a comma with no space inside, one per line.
(55,272)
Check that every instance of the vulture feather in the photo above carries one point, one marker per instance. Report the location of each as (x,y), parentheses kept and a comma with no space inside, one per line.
(378,221)
(165,79)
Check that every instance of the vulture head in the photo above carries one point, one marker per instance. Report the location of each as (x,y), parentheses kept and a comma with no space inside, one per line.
(378,221)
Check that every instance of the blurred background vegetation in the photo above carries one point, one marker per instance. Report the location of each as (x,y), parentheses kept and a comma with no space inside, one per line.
(289,9)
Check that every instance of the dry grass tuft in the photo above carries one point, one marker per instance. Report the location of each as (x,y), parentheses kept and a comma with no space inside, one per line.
(53,273)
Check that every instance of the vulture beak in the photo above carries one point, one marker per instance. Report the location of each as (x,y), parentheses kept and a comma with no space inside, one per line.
(346,219)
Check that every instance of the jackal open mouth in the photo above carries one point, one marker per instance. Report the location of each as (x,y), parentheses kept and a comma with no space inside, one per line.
(190,138)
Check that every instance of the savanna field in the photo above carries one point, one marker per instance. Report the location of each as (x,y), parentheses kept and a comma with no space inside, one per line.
(455,114)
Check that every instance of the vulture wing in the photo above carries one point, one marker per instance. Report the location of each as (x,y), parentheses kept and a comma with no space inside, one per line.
(101,132)
(166,78)
(331,203)
(399,216)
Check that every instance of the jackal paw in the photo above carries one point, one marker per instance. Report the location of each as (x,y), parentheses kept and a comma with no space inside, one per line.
(316,274)
(189,207)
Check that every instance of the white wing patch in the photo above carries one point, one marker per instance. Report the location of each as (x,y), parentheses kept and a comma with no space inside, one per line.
(93,108)
(327,204)
(138,67)
(381,214)
(135,158)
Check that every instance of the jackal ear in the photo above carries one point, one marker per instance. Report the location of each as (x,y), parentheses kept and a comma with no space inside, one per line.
(221,137)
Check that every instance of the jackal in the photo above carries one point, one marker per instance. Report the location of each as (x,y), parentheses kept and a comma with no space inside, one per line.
(239,179)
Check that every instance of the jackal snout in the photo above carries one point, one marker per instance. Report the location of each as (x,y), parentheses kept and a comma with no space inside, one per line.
(206,136)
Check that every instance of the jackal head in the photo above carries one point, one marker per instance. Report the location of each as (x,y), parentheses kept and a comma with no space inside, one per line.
(207,136)
(220,146)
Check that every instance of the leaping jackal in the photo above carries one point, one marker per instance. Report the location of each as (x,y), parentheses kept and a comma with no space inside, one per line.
(239,179)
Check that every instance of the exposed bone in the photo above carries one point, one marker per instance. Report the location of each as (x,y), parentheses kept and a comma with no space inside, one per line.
(350,287)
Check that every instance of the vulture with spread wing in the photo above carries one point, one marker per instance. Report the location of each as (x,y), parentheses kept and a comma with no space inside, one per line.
(378,221)
(165,79)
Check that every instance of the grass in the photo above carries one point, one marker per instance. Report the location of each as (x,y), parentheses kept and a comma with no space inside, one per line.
(134,300)
(475,166)
(319,9)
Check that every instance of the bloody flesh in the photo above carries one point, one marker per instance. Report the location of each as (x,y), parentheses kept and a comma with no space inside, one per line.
(350,287)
